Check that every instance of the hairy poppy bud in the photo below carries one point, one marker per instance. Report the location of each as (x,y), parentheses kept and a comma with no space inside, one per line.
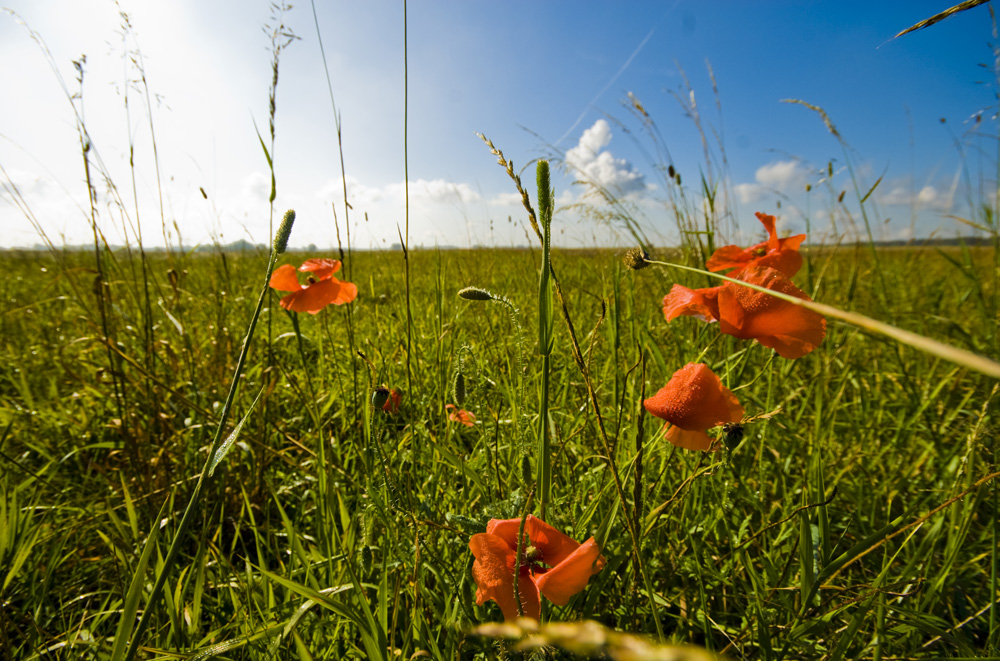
(284,231)
(732,434)
(366,558)
(379,397)
(526,470)
(475,294)
(671,171)
(635,259)
(460,389)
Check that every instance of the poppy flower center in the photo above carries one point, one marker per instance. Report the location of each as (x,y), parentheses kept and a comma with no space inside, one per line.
(532,560)
(311,280)
(760,252)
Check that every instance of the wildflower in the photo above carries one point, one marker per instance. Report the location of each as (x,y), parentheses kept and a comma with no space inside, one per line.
(779,254)
(692,401)
(322,288)
(460,415)
(789,329)
(392,401)
(553,565)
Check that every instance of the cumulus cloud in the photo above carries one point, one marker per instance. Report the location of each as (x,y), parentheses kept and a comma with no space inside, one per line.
(928,196)
(781,176)
(596,165)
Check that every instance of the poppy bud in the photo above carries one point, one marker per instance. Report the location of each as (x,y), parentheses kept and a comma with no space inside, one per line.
(678,178)
(475,294)
(284,231)
(732,434)
(379,397)
(460,389)
(635,259)
(808,187)
(671,171)
(526,470)
(366,558)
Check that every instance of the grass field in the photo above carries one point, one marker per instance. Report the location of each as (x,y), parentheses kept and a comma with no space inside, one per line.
(857,522)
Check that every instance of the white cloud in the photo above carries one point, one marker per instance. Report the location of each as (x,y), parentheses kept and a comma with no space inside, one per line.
(600,168)
(929,197)
(781,177)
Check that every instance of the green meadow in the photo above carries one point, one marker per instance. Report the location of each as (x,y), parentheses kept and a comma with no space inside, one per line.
(858,521)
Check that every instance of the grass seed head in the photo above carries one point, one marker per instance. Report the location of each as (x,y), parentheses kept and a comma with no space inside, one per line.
(284,231)
(635,259)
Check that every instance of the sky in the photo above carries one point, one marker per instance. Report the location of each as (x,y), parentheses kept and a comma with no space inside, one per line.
(557,79)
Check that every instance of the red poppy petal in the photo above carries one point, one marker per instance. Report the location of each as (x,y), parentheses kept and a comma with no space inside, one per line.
(284,279)
(689,439)
(772,233)
(786,262)
(555,546)
(701,303)
(695,399)
(313,298)
(347,292)
(493,571)
(321,268)
(571,574)
(727,257)
(790,330)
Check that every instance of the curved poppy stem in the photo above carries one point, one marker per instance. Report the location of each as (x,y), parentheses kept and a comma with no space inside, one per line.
(952,354)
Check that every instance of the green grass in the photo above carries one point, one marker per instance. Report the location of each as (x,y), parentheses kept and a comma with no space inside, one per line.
(858,522)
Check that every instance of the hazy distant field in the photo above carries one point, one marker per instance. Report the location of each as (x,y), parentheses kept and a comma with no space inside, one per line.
(874,481)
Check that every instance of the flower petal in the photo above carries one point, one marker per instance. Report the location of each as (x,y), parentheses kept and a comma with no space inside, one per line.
(571,574)
(321,268)
(689,439)
(728,257)
(694,399)
(284,279)
(312,298)
(493,571)
(701,303)
(790,330)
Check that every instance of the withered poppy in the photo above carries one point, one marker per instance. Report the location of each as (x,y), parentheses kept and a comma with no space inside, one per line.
(692,401)
(553,565)
(320,290)
(789,329)
(779,254)
(460,415)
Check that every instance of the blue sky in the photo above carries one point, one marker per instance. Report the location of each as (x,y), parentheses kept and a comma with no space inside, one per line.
(540,79)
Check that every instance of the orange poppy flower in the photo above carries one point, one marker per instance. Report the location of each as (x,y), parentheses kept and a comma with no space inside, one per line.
(779,254)
(553,565)
(460,415)
(392,404)
(692,401)
(321,290)
(748,314)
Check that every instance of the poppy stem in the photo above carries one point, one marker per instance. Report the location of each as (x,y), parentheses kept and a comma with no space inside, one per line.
(940,349)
